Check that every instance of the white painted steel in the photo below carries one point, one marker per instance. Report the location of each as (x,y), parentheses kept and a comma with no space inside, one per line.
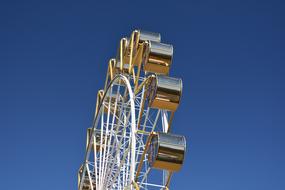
(114,164)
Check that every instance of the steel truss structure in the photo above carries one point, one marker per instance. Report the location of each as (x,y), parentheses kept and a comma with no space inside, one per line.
(129,145)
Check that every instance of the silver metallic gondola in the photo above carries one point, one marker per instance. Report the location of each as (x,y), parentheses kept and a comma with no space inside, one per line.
(164,92)
(167,151)
(138,37)
(158,58)
(149,36)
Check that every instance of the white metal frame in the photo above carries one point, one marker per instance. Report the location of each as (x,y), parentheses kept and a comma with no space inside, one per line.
(114,164)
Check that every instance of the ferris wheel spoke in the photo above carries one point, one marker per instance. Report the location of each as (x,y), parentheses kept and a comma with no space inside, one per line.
(120,144)
(111,136)
(146,118)
(89,176)
(117,144)
(106,134)
(126,123)
(121,164)
(95,161)
(144,176)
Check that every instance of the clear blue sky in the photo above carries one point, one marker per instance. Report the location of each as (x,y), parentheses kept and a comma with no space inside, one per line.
(230,54)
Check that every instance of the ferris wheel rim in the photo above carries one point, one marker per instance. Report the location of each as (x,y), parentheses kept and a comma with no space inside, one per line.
(133,125)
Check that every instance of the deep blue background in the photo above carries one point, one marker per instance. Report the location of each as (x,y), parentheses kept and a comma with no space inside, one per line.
(230,54)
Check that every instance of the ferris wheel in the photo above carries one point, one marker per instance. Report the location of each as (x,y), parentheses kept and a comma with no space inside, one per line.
(130,144)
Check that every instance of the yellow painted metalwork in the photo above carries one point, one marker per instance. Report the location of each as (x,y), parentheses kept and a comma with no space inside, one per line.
(143,154)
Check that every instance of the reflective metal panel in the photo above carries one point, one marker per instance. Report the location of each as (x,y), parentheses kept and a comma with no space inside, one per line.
(149,36)
(158,58)
(167,151)
(164,92)
(141,39)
